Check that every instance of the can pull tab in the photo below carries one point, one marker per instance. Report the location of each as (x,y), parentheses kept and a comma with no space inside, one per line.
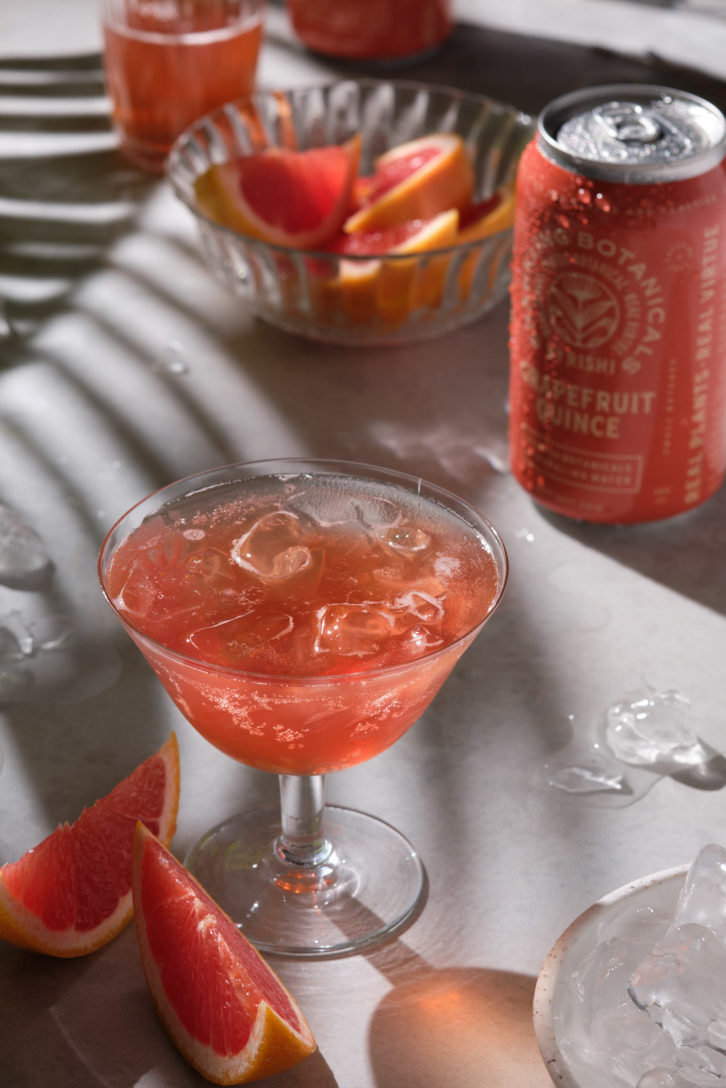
(628,123)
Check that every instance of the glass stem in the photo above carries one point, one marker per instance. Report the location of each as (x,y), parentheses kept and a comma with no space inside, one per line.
(302,842)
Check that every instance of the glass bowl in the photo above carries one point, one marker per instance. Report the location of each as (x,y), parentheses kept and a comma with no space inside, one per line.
(300,291)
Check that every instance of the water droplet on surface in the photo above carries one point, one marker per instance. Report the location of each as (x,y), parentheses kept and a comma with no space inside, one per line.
(622,753)
(173,359)
(526,535)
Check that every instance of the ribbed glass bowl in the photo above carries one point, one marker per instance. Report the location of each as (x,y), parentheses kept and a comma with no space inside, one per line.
(299,290)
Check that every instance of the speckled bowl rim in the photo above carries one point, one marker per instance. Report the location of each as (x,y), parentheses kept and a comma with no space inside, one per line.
(557,959)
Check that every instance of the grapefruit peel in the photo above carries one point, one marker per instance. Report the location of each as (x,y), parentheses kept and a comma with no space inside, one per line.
(223,1007)
(415,180)
(71,894)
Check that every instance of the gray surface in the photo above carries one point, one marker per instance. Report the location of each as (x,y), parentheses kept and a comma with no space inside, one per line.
(129,368)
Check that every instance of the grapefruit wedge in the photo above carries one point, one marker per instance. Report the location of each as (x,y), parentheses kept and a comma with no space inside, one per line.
(225,1010)
(388,291)
(297,199)
(416,180)
(487,217)
(71,893)
(480,221)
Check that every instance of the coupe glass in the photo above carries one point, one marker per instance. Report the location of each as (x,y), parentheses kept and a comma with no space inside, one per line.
(304,878)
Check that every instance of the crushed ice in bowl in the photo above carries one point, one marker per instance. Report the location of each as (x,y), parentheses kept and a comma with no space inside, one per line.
(648,1003)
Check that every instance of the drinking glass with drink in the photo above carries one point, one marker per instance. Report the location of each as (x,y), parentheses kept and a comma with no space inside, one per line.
(168,62)
(302,615)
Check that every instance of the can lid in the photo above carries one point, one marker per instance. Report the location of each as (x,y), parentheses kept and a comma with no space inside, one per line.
(633,133)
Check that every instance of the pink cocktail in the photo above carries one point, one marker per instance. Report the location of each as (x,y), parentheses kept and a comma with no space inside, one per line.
(302,615)
(169,62)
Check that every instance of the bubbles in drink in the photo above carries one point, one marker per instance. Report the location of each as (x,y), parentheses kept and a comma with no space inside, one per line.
(304,575)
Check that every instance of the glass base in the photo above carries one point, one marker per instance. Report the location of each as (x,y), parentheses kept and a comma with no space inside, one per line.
(367,886)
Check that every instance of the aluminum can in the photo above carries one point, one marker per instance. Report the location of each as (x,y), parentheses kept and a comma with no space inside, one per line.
(618,305)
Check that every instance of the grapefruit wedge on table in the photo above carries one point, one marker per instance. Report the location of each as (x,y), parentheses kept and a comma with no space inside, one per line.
(226,1011)
(298,199)
(71,893)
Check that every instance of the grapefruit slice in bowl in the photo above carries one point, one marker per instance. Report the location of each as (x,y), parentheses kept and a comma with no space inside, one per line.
(71,894)
(296,199)
(415,180)
(398,278)
(481,221)
(223,1007)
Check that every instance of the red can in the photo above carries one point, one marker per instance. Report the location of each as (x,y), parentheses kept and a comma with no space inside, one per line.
(618,333)
(380,30)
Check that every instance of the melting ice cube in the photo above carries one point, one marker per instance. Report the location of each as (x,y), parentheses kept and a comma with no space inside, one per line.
(405,540)
(331,506)
(352,629)
(23,556)
(273,548)
(654,729)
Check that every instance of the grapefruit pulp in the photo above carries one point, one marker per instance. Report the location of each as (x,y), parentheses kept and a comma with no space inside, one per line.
(389,290)
(297,199)
(71,893)
(487,217)
(415,180)
(480,221)
(225,1010)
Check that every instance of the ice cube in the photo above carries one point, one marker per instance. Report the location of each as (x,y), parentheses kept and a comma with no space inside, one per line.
(654,729)
(662,1078)
(680,983)
(352,630)
(231,640)
(331,506)
(598,1025)
(273,549)
(420,606)
(703,896)
(24,559)
(408,541)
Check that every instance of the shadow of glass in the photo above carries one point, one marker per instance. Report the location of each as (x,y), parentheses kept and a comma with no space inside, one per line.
(462,1027)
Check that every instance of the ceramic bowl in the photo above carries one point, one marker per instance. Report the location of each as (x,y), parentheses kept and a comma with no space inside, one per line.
(569,1065)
